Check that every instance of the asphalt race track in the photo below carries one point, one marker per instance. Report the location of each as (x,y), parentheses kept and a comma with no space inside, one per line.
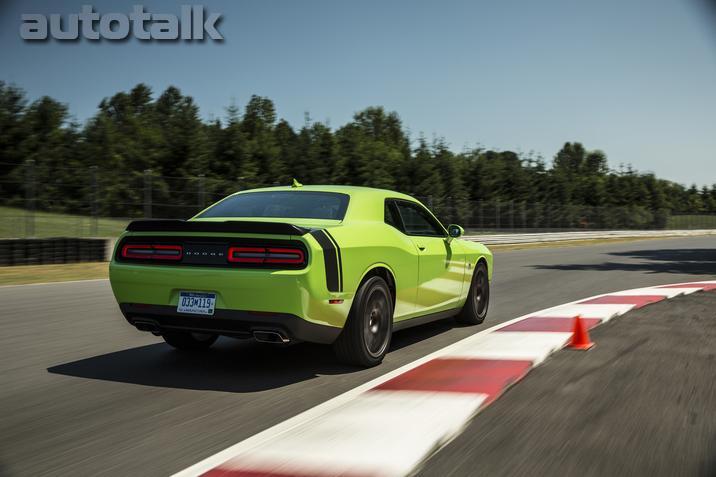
(83,393)
(640,403)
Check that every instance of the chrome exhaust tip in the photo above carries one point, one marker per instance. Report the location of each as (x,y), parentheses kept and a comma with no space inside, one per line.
(266,336)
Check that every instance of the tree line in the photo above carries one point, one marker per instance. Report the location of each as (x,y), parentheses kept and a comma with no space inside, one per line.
(133,132)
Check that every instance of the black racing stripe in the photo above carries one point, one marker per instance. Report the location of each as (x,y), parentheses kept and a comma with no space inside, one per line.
(340,259)
(329,258)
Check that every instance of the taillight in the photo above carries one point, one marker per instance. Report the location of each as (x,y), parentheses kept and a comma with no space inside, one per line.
(268,255)
(140,251)
(247,254)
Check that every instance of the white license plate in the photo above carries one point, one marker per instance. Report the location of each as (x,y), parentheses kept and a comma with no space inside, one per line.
(196,303)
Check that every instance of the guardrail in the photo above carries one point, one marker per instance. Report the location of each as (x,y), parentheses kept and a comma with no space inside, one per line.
(53,251)
(519,238)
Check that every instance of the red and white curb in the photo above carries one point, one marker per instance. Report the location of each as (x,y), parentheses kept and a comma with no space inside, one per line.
(390,425)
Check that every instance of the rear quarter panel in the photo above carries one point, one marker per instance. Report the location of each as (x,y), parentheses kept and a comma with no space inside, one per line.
(370,244)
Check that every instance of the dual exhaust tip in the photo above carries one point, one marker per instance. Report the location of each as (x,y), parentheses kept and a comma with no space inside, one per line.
(262,336)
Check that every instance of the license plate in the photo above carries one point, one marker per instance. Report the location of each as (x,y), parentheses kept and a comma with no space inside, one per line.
(196,303)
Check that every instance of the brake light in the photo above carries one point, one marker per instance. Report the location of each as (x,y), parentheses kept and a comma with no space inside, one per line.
(268,255)
(247,254)
(140,251)
(285,255)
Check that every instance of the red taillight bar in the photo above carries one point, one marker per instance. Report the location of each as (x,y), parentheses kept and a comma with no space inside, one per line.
(287,256)
(293,256)
(141,251)
(247,254)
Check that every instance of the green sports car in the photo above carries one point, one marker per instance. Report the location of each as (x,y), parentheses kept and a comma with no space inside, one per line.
(337,265)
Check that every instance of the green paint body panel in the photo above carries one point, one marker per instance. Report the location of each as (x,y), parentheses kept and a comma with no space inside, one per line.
(434,279)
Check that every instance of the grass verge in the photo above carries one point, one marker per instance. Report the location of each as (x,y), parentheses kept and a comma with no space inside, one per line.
(13,223)
(703,221)
(26,274)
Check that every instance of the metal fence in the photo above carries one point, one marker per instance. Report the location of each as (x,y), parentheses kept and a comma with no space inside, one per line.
(46,251)
(524,216)
(86,202)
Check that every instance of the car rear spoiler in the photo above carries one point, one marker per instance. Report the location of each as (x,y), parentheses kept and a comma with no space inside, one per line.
(229,226)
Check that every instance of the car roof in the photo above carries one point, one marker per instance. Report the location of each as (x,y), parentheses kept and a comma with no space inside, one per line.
(342,189)
(366,202)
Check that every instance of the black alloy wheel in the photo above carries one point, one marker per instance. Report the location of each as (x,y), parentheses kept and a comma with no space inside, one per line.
(365,338)
(478,299)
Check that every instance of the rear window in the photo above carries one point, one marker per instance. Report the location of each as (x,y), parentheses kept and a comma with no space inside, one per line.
(285,204)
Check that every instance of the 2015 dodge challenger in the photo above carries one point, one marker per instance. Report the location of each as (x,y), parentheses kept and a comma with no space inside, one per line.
(337,265)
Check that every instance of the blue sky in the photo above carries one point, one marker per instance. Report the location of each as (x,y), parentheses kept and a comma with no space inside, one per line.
(636,79)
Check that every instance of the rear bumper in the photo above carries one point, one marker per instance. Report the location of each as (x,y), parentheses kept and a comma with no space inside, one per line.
(237,323)
(299,293)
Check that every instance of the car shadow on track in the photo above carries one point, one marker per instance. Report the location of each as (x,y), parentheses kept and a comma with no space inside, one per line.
(231,365)
(684,261)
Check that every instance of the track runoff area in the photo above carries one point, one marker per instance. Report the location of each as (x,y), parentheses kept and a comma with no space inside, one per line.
(391,425)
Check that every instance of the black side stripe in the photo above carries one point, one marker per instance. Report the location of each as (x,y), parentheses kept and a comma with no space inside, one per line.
(330,258)
(340,260)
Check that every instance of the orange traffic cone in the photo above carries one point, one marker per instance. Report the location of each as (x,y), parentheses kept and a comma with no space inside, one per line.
(580,337)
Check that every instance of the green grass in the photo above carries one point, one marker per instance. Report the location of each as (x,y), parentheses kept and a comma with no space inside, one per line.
(13,224)
(24,274)
(691,222)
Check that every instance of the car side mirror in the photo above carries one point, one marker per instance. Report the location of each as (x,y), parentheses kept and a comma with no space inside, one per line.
(455,231)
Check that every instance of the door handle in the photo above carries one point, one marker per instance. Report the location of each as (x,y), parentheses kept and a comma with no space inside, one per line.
(421,247)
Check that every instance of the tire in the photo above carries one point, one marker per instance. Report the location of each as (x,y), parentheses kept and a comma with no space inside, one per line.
(188,341)
(366,335)
(478,298)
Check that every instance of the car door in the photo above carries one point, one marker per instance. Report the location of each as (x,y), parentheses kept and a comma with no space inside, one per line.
(440,261)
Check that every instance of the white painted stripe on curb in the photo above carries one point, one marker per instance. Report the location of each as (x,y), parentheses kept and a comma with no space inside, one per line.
(691,284)
(317,425)
(405,423)
(532,346)
(570,310)
(665,292)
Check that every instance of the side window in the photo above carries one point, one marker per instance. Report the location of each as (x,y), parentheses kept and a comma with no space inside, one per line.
(391,215)
(418,221)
